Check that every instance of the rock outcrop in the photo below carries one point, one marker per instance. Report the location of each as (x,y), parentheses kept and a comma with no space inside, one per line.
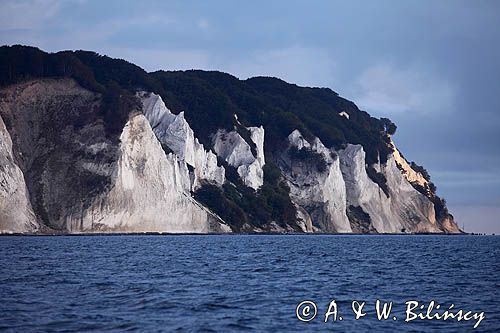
(16,213)
(60,145)
(405,209)
(231,147)
(174,132)
(96,156)
(333,191)
(320,194)
(411,175)
(83,178)
(149,193)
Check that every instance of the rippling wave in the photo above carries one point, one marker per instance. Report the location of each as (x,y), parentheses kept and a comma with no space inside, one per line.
(221,283)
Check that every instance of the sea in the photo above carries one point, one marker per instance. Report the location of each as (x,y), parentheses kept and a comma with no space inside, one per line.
(251,283)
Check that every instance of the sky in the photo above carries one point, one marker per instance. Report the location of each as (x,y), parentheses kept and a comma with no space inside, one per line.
(433,67)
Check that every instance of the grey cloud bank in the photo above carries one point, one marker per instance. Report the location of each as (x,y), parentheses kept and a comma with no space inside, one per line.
(430,66)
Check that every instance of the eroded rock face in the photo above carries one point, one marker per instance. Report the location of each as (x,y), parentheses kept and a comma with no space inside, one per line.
(62,169)
(174,132)
(60,145)
(16,213)
(232,148)
(82,178)
(321,194)
(304,220)
(420,183)
(149,193)
(449,225)
(333,192)
(404,210)
(408,172)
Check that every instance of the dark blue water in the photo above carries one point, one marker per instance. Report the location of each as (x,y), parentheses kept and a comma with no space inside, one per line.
(242,283)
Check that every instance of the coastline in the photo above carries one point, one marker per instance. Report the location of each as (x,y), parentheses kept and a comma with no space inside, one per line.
(238,234)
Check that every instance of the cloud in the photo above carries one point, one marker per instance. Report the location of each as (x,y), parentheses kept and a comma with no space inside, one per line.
(28,14)
(388,90)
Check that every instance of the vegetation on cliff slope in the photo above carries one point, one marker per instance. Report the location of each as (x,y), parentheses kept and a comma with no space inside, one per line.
(210,101)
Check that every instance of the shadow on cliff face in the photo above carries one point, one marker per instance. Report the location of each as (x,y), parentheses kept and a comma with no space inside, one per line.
(65,139)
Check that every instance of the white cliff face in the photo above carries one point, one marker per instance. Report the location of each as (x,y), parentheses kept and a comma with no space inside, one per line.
(150,191)
(82,181)
(416,211)
(411,175)
(405,208)
(446,223)
(16,213)
(320,196)
(175,132)
(231,147)
(129,184)
(363,192)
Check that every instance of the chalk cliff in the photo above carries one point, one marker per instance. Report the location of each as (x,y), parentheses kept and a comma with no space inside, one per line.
(320,193)
(81,180)
(232,148)
(16,213)
(149,193)
(94,144)
(404,209)
(175,134)
(341,197)
(409,173)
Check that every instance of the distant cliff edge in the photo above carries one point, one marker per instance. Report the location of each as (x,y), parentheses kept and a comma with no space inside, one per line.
(94,144)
